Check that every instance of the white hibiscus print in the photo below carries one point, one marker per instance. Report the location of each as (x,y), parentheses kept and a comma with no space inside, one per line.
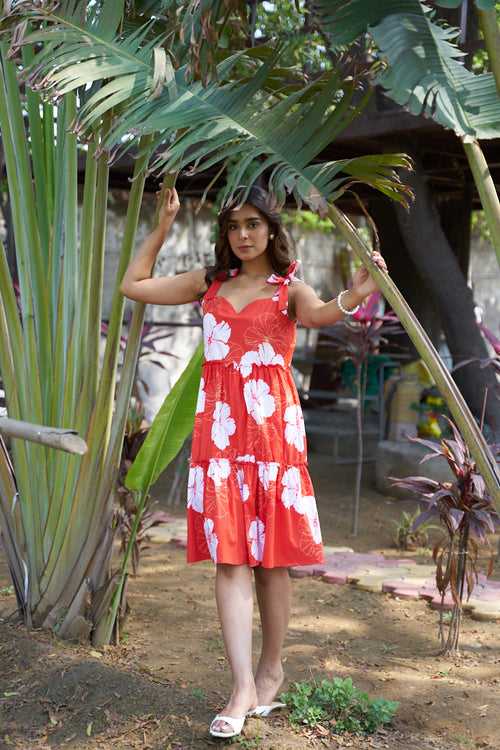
(200,404)
(309,504)
(260,404)
(246,362)
(215,336)
(294,430)
(211,537)
(268,356)
(218,470)
(195,489)
(268,471)
(244,489)
(265,355)
(291,497)
(223,425)
(257,538)
(247,458)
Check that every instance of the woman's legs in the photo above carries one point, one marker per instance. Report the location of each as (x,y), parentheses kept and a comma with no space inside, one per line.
(273,587)
(234,596)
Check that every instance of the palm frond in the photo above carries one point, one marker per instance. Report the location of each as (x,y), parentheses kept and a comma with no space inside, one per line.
(436,83)
(425,70)
(254,118)
(281,134)
(203,24)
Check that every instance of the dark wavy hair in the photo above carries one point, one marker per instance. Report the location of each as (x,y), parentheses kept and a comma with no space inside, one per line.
(279,249)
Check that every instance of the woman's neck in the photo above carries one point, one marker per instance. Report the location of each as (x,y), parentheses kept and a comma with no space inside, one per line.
(257,268)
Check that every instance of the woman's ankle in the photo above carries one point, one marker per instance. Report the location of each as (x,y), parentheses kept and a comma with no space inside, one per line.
(270,669)
(243,686)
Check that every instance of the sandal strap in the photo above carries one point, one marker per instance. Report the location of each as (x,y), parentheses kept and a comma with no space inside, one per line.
(235,724)
(266,710)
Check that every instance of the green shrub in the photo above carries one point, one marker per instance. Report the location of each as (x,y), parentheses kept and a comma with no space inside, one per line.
(338,704)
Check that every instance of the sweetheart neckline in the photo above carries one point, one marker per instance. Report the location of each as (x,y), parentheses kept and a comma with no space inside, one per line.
(238,312)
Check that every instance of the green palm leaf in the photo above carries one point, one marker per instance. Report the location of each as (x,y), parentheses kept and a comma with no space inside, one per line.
(436,84)
(425,72)
(345,20)
(221,120)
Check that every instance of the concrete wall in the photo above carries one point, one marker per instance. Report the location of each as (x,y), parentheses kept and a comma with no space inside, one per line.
(484,278)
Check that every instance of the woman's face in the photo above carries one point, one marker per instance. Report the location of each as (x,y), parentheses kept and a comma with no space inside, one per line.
(247,232)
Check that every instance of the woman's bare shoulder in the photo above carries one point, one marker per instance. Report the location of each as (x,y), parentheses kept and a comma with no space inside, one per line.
(299,287)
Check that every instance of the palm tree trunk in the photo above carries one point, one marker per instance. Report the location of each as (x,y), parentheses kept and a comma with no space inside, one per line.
(486,189)
(489,26)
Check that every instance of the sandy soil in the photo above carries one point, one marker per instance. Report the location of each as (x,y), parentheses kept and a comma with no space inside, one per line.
(159,689)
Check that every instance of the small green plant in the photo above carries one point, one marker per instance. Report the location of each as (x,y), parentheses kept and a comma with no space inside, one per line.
(338,705)
(198,693)
(407,539)
(443,672)
(387,648)
(7,591)
(246,743)
(463,741)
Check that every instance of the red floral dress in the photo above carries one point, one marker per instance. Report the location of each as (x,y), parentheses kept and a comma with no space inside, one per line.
(250,497)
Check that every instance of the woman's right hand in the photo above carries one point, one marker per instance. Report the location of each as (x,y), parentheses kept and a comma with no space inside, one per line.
(168,210)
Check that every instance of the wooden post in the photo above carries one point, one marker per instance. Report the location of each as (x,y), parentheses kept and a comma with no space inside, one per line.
(55,437)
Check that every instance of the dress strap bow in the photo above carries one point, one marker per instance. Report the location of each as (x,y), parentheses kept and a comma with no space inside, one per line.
(283,282)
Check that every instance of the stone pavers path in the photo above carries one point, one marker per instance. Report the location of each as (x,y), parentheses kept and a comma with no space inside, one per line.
(398,577)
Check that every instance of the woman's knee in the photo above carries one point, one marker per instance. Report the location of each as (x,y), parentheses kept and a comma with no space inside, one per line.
(232,571)
(269,575)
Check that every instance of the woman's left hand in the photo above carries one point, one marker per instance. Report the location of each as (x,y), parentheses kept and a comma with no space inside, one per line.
(363,284)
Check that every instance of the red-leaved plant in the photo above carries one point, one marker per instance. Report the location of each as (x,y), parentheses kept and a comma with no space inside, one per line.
(356,338)
(466,511)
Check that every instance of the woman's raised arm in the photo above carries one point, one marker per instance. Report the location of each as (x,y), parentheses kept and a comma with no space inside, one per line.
(314,313)
(137,283)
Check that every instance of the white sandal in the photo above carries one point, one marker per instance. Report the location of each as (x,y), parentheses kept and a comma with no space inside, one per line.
(235,724)
(264,711)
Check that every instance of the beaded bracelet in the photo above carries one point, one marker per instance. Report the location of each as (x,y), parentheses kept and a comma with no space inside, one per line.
(341,306)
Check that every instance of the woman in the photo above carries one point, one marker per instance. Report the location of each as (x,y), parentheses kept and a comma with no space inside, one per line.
(250,499)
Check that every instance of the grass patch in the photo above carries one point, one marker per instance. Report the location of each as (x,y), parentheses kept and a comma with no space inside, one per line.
(337,705)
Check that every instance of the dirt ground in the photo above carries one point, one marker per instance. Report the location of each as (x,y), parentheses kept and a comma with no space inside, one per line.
(160,688)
